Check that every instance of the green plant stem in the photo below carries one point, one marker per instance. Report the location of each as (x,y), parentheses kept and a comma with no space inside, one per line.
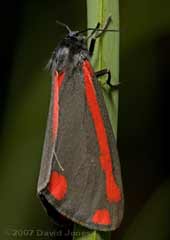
(106,53)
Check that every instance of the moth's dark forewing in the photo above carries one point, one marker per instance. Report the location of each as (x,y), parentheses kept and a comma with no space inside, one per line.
(46,161)
(118,208)
(77,150)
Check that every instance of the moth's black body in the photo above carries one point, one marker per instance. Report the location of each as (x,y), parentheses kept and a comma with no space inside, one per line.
(74,155)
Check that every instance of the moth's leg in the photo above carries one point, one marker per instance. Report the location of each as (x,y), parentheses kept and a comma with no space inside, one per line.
(92,45)
(106,24)
(93,39)
(97,35)
(104,72)
(94,31)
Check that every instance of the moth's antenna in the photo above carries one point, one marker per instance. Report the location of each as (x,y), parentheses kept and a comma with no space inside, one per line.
(109,19)
(98,30)
(64,25)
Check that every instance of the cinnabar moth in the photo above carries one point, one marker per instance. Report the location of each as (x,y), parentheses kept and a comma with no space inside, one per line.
(80,172)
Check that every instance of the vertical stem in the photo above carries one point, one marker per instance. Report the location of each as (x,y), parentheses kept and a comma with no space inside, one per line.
(107,49)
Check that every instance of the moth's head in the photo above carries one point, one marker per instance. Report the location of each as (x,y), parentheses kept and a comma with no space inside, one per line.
(76,35)
(73,35)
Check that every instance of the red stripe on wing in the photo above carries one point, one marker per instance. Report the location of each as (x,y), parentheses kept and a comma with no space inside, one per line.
(58,184)
(58,79)
(112,189)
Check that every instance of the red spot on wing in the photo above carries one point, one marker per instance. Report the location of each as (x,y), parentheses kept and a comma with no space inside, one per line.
(57,185)
(58,79)
(101,216)
(112,189)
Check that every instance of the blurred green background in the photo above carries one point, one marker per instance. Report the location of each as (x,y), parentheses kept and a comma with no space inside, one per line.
(29,35)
